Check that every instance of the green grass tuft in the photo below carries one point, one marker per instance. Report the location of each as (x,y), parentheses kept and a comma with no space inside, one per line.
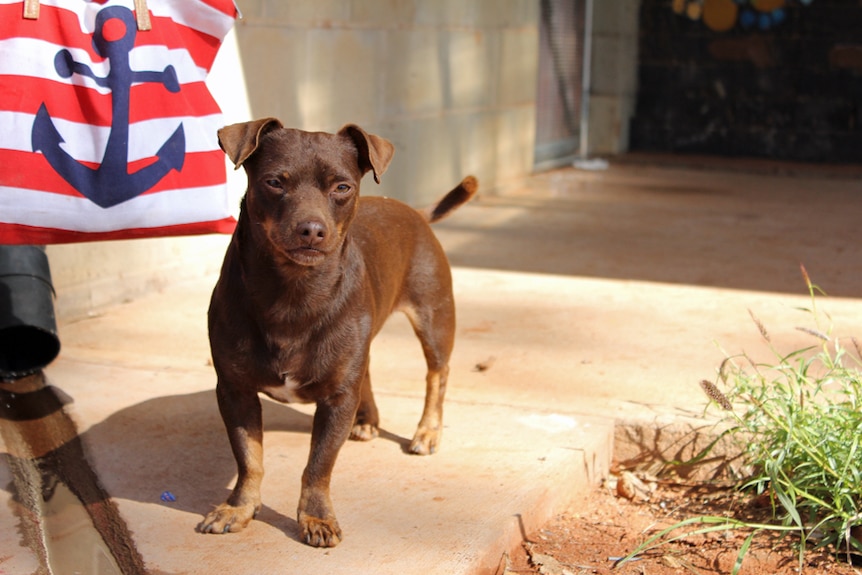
(796,423)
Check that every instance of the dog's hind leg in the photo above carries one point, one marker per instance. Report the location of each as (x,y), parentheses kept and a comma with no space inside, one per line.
(426,441)
(366,424)
(435,328)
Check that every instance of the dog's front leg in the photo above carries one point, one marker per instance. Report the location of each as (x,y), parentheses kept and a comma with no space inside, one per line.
(241,413)
(333,420)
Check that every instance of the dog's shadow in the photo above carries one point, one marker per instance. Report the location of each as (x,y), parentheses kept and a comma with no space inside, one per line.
(173,451)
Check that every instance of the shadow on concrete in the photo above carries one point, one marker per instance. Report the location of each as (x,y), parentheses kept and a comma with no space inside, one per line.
(181,456)
(709,228)
(180,447)
(62,505)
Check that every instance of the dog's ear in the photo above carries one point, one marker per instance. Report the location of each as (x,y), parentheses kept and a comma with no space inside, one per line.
(375,152)
(239,141)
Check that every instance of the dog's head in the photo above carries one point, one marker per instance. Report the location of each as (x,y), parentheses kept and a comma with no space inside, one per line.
(303,187)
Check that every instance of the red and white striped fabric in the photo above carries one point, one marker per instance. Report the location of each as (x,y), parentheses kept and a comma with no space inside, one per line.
(107,132)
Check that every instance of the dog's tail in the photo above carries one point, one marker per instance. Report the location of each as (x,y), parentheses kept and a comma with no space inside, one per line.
(459,195)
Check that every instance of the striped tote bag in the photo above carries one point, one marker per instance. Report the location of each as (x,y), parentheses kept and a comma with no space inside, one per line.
(107,129)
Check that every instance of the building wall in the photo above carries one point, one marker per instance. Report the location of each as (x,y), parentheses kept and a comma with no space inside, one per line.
(450,82)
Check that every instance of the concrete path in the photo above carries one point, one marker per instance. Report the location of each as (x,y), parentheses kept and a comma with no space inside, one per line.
(586,299)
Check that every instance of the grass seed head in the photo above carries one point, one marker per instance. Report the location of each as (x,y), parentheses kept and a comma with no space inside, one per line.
(715,394)
(759,325)
(816,333)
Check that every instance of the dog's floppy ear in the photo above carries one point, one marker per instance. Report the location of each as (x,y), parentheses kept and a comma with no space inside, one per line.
(375,152)
(239,141)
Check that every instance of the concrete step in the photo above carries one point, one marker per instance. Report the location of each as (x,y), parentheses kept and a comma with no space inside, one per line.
(140,396)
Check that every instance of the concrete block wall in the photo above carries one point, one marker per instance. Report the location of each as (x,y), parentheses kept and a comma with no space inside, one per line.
(450,82)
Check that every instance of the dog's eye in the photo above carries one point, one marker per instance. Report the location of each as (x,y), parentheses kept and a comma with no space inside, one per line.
(274,183)
(342,189)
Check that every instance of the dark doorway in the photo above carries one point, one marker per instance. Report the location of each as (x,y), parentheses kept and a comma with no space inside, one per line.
(783,88)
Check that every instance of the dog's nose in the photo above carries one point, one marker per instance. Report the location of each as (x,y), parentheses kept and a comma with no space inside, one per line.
(312,232)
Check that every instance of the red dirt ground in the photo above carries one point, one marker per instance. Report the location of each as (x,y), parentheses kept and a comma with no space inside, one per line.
(606,527)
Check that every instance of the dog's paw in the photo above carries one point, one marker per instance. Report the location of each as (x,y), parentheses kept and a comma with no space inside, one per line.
(425,442)
(320,532)
(227,519)
(364,432)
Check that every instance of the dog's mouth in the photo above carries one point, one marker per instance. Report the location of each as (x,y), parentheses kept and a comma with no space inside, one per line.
(306,255)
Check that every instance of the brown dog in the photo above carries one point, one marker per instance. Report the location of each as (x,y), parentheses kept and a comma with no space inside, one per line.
(310,276)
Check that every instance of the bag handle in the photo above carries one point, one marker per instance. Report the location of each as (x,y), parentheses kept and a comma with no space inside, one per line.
(31,9)
(142,14)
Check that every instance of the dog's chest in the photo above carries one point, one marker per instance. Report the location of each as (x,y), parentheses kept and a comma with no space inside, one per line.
(287,392)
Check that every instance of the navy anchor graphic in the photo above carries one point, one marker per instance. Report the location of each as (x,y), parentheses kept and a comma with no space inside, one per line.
(111,183)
